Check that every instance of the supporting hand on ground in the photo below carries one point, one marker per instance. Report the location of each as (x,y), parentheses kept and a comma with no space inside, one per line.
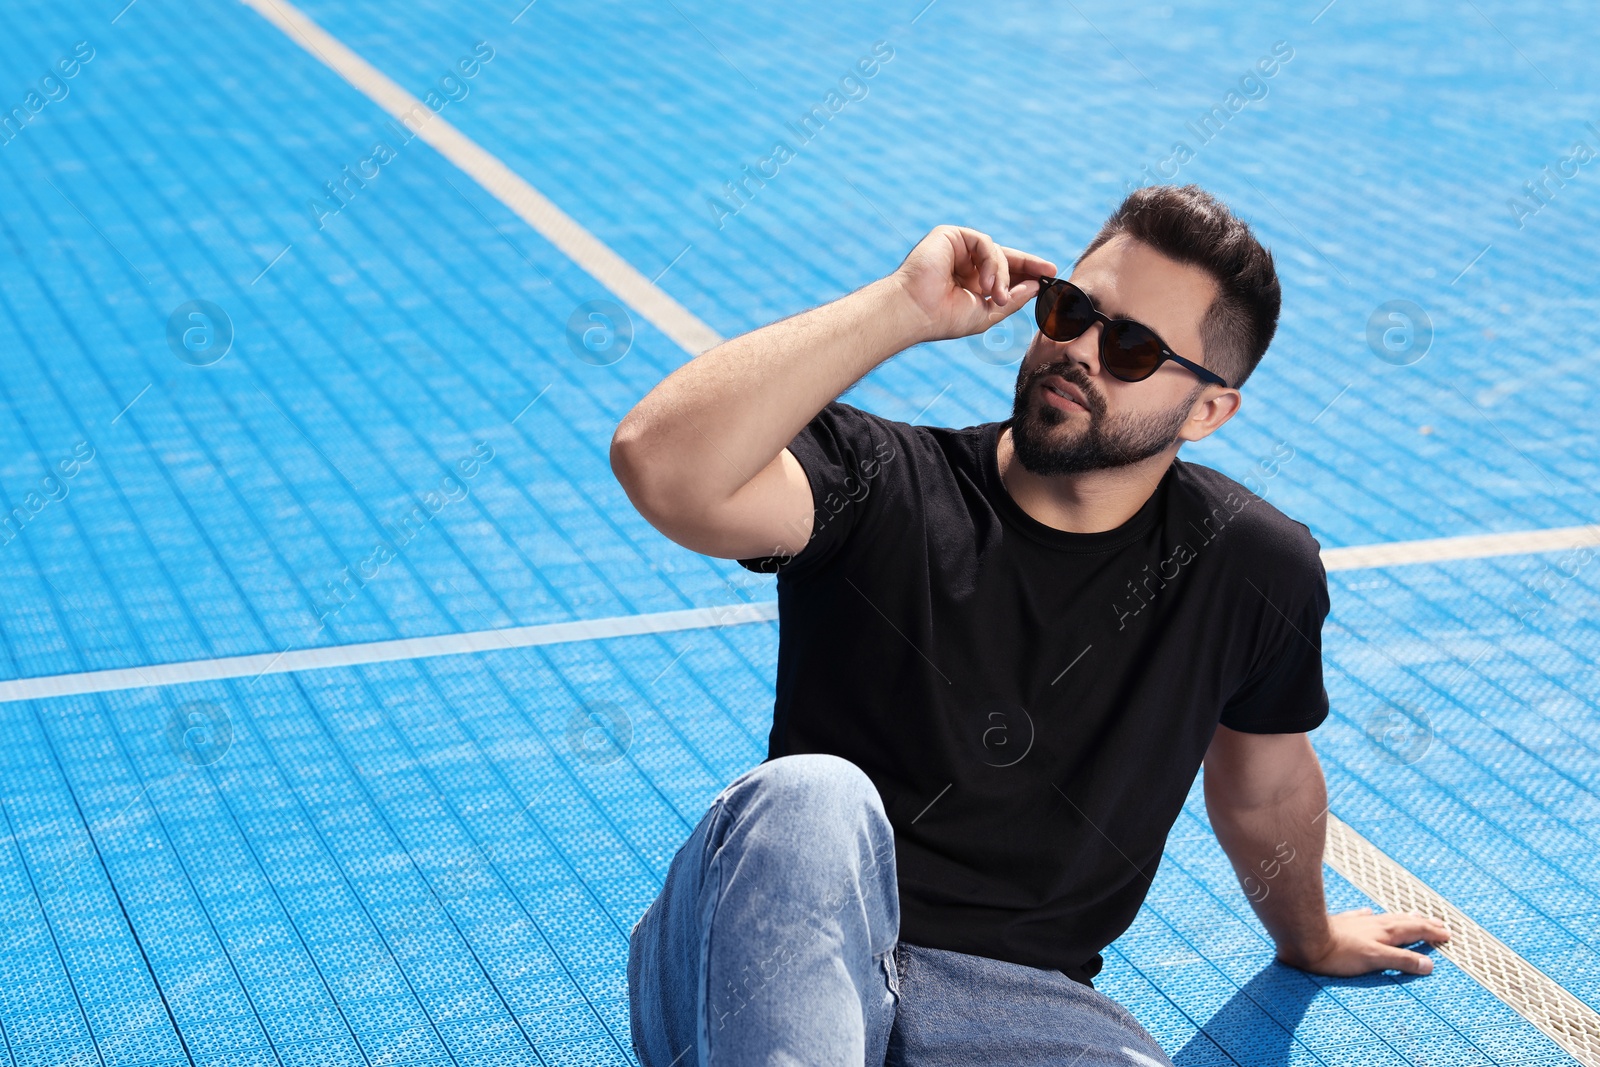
(1362,941)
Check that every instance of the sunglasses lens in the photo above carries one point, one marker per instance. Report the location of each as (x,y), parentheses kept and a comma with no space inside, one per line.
(1129,351)
(1063,312)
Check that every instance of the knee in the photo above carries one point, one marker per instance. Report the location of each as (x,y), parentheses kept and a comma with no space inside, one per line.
(813,780)
(819,796)
(812,829)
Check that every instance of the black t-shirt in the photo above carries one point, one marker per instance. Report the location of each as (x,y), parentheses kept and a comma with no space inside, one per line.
(1033,705)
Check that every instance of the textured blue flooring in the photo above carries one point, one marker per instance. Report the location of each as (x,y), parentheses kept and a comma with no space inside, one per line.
(425,862)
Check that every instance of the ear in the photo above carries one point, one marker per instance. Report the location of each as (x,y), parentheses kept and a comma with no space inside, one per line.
(1213,407)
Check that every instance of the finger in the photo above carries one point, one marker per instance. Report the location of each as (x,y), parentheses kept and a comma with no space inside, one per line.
(1403,928)
(1027,265)
(958,239)
(1002,275)
(1357,911)
(1399,959)
(1022,292)
(994,279)
(979,257)
(1015,299)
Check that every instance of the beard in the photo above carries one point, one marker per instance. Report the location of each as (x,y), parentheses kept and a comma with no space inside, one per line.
(1108,440)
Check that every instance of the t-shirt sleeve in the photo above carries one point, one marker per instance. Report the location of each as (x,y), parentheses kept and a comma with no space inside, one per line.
(1285,693)
(846,454)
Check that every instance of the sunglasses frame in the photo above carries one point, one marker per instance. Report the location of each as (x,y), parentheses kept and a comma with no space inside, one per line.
(1105,321)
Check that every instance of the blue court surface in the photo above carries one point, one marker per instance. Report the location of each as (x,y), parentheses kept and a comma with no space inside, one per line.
(438,858)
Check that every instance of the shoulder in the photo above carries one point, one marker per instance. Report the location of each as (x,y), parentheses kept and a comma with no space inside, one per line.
(1258,536)
(889,439)
(869,477)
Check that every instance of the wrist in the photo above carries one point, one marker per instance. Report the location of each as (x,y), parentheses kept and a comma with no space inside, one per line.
(1306,948)
(906,319)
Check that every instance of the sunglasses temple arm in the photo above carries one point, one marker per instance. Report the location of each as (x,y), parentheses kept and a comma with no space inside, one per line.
(1205,374)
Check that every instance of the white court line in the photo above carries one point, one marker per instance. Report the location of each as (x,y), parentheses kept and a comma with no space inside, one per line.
(1471,546)
(1537,997)
(499,180)
(312,659)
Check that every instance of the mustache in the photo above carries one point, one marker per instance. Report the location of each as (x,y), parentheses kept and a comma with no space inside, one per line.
(1072,372)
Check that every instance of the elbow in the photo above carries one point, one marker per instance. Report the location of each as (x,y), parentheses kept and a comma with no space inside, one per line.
(629,452)
(651,484)
(625,454)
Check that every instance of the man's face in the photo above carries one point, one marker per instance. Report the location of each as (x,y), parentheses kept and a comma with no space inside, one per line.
(1122,422)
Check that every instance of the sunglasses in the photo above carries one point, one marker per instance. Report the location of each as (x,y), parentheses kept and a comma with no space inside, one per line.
(1129,351)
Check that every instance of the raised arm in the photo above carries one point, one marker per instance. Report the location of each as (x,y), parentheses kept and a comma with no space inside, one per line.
(703,456)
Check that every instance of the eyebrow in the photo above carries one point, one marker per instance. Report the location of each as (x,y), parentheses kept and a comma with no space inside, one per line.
(1106,310)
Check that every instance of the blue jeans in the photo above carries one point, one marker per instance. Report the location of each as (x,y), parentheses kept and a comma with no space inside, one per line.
(776,941)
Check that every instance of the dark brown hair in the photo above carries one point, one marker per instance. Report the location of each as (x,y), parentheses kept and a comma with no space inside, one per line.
(1188,224)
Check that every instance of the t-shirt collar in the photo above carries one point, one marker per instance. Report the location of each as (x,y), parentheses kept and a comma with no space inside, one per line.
(1011,512)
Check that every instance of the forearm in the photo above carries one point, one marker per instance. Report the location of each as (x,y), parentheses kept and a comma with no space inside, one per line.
(1276,849)
(719,419)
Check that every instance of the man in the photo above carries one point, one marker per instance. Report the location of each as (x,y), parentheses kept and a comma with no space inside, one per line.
(1005,651)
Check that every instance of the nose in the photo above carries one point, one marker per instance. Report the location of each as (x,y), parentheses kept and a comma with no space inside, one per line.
(1084,349)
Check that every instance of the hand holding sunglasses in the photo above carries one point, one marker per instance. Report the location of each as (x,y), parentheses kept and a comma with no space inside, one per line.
(961,282)
(1129,351)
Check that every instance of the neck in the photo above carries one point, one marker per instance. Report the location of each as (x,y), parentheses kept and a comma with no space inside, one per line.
(1090,502)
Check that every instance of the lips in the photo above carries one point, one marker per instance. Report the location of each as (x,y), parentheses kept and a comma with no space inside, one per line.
(1063,391)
